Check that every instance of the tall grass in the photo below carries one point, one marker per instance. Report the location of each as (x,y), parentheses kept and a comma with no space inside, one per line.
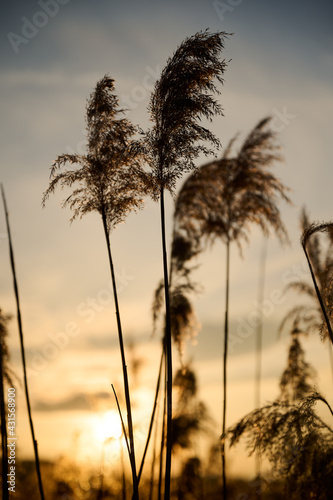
(222,201)
(181,97)
(109,181)
(152,416)
(259,330)
(307,234)
(313,315)
(20,328)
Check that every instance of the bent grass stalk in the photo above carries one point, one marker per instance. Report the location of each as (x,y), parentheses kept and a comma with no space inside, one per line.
(314,228)
(152,417)
(310,316)
(151,484)
(121,419)
(121,448)
(20,328)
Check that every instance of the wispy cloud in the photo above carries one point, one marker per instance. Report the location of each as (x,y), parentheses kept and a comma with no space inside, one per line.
(77,402)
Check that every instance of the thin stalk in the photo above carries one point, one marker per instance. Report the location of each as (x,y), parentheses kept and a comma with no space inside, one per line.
(151,488)
(20,328)
(5,491)
(162,439)
(320,398)
(155,399)
(122,471)
(163,356)
(257,397)
(152,417)
(321,302)
(225,357)
(168,350)
(124,366)
(122,420)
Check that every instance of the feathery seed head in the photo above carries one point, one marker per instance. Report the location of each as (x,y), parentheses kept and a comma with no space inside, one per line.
(109,177)
(181,98)
(224,197)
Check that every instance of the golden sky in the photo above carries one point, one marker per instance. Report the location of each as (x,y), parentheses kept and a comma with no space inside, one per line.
(281,65)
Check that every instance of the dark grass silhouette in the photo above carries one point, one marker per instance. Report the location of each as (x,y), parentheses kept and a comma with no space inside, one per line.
(191,416)
(299,377)
(184,324)
(20,328)
(109,181)
(181,98)
(222,201)
(289,432)
(258,362)
(310,316)
(309,233)
(190,420)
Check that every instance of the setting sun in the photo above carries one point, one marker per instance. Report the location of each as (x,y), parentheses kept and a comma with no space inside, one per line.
(108,426)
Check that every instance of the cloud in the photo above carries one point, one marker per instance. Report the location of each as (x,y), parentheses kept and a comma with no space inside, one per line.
(76,402)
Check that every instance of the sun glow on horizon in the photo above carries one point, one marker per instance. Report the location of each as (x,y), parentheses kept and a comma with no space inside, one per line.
(108,426)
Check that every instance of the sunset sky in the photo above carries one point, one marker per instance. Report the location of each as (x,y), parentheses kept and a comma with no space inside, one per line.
(52,55)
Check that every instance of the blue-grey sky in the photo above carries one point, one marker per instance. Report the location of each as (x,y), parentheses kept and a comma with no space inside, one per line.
(52,54)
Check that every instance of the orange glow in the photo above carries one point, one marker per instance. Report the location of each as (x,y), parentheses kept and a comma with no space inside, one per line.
(108,426)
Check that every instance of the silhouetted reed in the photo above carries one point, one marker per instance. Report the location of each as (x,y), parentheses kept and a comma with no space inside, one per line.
(223,199)
(313,260)
(181,98)
(183,323)
(309,317)
(20,328)
(109,180)
(297,442)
